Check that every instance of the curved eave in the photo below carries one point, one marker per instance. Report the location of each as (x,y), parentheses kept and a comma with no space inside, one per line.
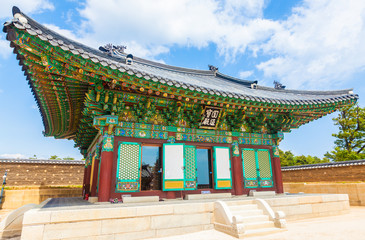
(89,66)
(55,104)
(259,95)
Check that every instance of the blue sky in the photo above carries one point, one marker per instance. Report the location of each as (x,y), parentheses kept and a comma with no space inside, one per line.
(303,44)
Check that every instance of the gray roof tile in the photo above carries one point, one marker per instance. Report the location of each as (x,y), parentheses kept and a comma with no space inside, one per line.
(196,80)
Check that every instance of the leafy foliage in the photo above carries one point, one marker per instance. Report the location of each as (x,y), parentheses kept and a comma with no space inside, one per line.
(287,158)
(55,157)
(350,140)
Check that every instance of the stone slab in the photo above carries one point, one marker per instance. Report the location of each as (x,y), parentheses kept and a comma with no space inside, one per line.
(262,193)
(141,199)
(207,196)
(92,199)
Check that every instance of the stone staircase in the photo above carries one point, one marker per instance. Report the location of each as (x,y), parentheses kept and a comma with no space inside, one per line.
(247,218)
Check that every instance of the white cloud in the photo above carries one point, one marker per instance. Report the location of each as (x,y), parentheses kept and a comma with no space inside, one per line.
(245,74)
(64,32)
(26,6)
(13,155)
(151,27)
(319,45)
(5,49)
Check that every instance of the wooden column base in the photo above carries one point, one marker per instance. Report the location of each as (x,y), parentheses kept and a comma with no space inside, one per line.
(170,195)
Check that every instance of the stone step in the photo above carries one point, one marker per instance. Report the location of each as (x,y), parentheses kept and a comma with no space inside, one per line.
(243,207)
(207,196)
(246,213)
(257,218)
(262,231)
(236,203)
(259,225)
(262,194)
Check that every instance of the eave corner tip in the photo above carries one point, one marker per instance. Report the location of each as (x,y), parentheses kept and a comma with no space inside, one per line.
(15,10)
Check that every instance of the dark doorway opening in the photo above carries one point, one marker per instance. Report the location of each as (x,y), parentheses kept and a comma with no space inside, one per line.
(151,168)
(204,168)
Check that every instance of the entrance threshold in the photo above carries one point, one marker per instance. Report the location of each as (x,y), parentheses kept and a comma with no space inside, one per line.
(207,196)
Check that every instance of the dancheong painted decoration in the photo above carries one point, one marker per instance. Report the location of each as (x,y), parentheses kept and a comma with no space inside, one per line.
(146,128)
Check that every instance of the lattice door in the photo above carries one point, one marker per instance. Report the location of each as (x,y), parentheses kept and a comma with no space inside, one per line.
(249,168)
(257,170)
(190,167)
(129,164)
(264,163)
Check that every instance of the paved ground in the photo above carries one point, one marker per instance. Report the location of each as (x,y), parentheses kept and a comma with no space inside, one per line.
(66,202)
(3,213)
(342,227)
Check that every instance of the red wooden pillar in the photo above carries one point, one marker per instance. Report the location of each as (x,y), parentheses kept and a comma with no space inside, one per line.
(95,178)
(237,168)
(84,182)
(237,175)
(105,176)
(87,180)
(106,166)
(278,176)
(170,195)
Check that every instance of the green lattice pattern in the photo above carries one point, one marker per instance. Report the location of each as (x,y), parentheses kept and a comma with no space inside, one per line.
(190,160)
(249,163)
(128,161)
(264,163)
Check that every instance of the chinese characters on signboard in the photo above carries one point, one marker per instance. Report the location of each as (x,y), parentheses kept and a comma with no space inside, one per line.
(210,117)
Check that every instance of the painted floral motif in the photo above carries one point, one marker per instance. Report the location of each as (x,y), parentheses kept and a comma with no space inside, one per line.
(127,186)
(108,143)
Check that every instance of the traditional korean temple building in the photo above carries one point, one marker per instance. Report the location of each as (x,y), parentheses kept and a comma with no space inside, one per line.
(146,128)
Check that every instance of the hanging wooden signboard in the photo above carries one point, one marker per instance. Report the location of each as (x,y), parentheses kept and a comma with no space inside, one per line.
(210,117)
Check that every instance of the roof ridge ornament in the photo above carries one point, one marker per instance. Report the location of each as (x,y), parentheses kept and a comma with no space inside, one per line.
(278,85)
(213,69)
(113,50)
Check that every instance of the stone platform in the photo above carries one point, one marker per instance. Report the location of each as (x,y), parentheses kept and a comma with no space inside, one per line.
(63,220)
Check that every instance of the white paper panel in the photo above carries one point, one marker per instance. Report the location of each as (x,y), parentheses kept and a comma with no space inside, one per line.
(174,161)
(222,163)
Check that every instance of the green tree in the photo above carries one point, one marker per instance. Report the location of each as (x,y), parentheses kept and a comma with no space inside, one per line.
(287,158)
(350,140)
(68,158)
(54,157)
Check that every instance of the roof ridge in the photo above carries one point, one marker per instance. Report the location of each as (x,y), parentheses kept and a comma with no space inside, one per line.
(309,92)
(322,165)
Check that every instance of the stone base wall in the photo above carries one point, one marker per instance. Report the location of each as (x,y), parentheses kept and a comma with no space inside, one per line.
(354,173)
(304,206)
(122,221)
(42,172)
(355,191)
(118,222)
(16,198)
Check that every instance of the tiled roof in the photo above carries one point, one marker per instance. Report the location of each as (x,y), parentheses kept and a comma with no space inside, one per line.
(214,83)
(324,165)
